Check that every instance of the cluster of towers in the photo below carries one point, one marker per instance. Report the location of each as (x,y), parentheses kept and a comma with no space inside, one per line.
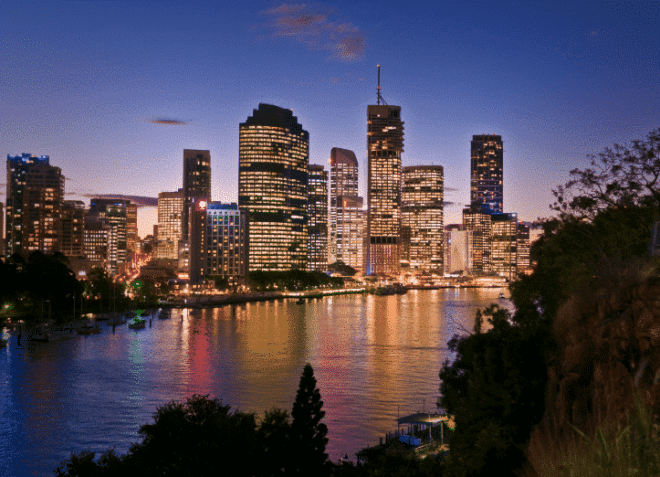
(290,214)
(39,219)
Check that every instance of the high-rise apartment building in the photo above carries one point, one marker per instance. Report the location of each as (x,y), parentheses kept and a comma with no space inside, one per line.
(2,230)
(347,221)
(73,228)
(272,187)
(503,250)
(113,213)
(317,218)
(523,249)
(35,191)
(487,159)
(384,148)
(227,243)
(422,218)
(170,216)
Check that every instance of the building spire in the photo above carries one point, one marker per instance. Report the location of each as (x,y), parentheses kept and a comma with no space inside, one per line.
(379,97)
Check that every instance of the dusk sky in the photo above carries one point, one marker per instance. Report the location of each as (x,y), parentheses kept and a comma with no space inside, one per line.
(114,91)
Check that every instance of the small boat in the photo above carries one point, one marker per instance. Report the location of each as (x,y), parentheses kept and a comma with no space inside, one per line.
(38,336)
(502,297)
(137,323)
(386,290)
(88,330)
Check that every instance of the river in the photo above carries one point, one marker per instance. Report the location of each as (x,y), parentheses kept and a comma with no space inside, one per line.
(373,357)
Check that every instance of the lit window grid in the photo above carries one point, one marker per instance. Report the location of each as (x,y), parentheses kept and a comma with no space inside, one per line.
(274,245)
(226,251)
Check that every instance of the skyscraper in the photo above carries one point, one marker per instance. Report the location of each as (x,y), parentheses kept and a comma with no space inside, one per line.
(487,172)
(347,223)
(73,228)
(196,182)
(422,218)
(477,218)
(503,255)
(272,187)
(170,213)
(227,239)
(317,216)
(384,148)
(114,214)
(35,191)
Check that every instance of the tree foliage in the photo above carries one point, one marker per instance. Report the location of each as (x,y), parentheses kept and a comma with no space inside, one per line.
(308,433)
(618,177)
(494,388)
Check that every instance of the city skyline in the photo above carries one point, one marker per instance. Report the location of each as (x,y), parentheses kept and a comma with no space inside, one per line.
(114,92)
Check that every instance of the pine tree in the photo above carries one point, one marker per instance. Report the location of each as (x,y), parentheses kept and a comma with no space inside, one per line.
(308,434)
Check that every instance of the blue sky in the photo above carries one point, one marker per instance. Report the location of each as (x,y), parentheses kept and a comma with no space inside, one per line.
(114,91)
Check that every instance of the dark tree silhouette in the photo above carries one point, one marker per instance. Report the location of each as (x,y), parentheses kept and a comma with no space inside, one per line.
(308,433)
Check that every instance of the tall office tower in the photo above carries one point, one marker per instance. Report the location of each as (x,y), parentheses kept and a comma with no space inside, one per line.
(170,213)
(487,161)
(478,219)
(272,186)
(114,213)
(35,191)
(522,249)
(347,223)
(197,241)
(317,218)
(458,250)
(196,182)
(227,243)
(422,219)
(384,148)
(73,228)
(503,254)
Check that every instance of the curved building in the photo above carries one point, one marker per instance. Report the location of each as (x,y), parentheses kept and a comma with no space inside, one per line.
(273,163)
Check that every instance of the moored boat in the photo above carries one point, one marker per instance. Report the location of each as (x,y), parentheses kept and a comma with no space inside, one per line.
(88,330)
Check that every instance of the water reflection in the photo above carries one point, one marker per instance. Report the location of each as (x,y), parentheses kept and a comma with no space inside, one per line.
(372,356)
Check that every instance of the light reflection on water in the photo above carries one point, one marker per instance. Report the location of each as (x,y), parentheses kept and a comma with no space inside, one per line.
(373,357)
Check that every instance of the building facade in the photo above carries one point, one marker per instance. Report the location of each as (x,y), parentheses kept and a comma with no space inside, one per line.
(347,221)
(384,148)
(227,243)
(522,249)
(422,218)
(196,182)
(503,249)
(458,251)
(317,217)
(35,192)
(272,187)
(170,217)
(477,219)
(73,228)
(487,173)
(114,214)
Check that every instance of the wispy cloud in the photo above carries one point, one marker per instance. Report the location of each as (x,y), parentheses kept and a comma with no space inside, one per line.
(139,200)
(317,28)
(168,122)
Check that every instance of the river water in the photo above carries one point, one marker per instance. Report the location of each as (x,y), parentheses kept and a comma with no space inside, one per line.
(374,357)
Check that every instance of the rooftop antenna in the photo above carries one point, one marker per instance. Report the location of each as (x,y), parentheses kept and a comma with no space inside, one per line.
(380,98)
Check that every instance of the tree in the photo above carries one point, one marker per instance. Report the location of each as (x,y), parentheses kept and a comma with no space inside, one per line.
(341,267)
(618,177)
(308,433)
(495,390)
(274,441)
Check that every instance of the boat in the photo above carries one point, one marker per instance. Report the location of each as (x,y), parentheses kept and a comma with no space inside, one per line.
(88,330)
(502,297)
(39,336)
(137,323)
(386,290)
(399,289)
